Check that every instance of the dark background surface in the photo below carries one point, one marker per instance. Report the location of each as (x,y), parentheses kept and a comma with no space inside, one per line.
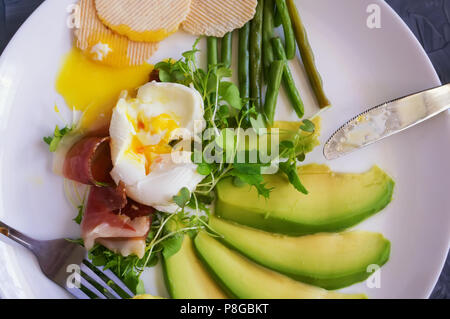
(428,19)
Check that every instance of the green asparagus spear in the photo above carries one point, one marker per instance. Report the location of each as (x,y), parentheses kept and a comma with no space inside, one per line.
(268,30)
(288,80)
(273,87)
(226,49)
(307,55)
(212,51)
(244,68)
(277,18)
(289,36)
(256,56)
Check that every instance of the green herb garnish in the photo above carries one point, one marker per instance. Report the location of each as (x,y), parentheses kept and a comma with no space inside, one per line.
(308,126)
(58,134)
(182,198)
(79,217)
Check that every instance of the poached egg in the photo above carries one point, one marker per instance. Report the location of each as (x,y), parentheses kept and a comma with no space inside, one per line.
(141,131)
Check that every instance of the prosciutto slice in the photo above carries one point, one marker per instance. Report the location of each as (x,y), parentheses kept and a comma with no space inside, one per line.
(89,162)
(110,219)
(125,246)
(134,210)
(115,222)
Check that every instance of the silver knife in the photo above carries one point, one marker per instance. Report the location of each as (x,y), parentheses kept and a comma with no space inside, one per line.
(387,119)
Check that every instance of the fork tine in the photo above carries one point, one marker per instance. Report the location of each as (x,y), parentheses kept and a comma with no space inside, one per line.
(87,292)
(110,280)
(100,288)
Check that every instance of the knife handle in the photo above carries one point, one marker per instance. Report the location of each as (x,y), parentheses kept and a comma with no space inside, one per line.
(435,100)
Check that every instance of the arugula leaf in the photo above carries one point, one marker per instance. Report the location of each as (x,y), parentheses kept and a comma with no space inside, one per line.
(99,260)
(48,139)
(153,261)
(290,169)
(308,126)
(211,84)
(182,198)
(58,134)
(301,157)
(251,174)
(165,76)
(223,112)
(178,76)
(287,144)
(229,92)
(126,268)
(131,280)
(223,72)
(204,169)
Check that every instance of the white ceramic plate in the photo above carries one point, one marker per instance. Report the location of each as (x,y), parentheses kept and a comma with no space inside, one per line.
(361,67)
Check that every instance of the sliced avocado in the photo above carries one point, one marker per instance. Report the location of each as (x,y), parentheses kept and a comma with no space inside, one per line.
(327,260)
(187,278)
(335,201)
(245,279)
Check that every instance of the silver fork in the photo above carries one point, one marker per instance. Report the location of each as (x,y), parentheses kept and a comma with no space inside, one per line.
(66,264)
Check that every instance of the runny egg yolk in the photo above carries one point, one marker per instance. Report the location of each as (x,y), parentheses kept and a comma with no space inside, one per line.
(94,88)
(161,126)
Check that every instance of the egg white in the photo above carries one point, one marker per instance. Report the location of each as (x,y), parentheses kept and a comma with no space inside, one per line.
(169,173)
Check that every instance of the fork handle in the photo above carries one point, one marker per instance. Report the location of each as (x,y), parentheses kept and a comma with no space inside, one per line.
(17,236)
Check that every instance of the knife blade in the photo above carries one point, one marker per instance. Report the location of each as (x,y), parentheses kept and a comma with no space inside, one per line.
(387,119)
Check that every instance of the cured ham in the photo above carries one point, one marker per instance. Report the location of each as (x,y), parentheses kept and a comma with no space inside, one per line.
(89,162)
(154,76)
(111,220)
(124,246)
(133,209)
